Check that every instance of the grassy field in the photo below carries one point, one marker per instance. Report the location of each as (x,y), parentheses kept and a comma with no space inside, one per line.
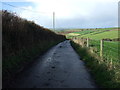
(97,34)
(106,71)
(110,49)
(102,35)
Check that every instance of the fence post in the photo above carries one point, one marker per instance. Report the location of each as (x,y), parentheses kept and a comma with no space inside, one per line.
(77,40)
(111,63)
(80,41)
(87,42)
(101,48)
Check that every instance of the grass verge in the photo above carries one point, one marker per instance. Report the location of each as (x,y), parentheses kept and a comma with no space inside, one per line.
(104,77)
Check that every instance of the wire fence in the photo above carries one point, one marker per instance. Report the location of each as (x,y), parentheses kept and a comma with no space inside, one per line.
(107,50)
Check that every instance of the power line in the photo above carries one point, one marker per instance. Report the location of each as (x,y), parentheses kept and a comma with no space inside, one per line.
(33,11)
(24,8)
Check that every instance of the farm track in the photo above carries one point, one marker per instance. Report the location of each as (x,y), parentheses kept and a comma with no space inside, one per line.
(60,67)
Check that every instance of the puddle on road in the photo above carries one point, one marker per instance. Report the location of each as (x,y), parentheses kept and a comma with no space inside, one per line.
(46,84)
(53,67)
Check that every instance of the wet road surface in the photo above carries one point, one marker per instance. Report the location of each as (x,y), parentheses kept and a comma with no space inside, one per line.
(60,67)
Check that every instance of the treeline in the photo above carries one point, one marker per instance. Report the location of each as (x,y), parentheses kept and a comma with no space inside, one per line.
(22,41)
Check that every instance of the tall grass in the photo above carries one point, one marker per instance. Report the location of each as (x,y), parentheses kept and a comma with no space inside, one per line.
(104,77)
(22,41)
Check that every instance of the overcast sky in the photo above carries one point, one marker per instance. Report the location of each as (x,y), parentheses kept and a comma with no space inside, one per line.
(68,13)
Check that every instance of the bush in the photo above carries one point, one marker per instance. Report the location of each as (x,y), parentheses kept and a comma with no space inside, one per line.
(22,41)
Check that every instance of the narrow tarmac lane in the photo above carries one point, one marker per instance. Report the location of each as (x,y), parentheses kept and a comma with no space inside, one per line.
(60,67)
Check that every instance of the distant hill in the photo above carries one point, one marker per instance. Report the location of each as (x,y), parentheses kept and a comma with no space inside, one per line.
(99,33)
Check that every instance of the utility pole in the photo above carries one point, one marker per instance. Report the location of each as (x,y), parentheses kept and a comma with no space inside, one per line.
(53,20)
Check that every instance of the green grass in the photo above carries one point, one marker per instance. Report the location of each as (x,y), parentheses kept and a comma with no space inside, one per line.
(103,76)
(97,34)
(103,35)
(110,49)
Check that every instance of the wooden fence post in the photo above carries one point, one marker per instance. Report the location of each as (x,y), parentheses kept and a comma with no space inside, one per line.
(101,48)
(80,41)
(87,42)
(77,40)
(111,63)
